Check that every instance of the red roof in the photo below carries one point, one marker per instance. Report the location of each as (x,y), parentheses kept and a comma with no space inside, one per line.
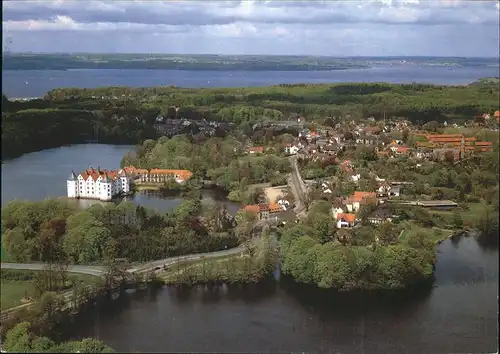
(347,217)
(497,114)
(402,149)
(359,196)
(259,149)
(95,174)
(134,170)
(183,174)
(252,208)
(257,208)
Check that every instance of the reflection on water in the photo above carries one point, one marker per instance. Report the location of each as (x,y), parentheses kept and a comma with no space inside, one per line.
(43,174)
(458,313)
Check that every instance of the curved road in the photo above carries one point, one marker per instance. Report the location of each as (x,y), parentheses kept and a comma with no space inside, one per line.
(101,270)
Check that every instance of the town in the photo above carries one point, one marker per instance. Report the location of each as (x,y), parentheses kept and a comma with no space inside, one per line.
(331,165)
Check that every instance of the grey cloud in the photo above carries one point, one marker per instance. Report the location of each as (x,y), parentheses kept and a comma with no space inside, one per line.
(286,12)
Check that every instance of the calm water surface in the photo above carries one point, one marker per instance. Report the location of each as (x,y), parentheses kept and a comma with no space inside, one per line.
(457,315)
(33,83)
(43,174)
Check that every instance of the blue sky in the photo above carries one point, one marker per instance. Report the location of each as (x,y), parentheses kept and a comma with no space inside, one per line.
(334,28)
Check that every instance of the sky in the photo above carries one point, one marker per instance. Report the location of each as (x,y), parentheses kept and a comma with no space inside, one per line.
(330,28)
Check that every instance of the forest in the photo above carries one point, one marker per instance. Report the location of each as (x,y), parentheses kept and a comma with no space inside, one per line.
(367,258)
(127,115)
(222,161)
(55,231)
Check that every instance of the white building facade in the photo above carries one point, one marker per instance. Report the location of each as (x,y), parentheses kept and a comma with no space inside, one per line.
(98,184)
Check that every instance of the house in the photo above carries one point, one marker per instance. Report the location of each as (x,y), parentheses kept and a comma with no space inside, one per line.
(377,178)
(381,215)
(388,190)
(97,184)
(291,149)
(347,165)
(133,172)
(265,211)
(255,150)
(354,202)
(400,150)
(345,220)
(355,178)
(367,140)
(284,203)
(424,153)
(330,149)
(373,130)
(338,138)
(156,175)
(322,142)
(337,210)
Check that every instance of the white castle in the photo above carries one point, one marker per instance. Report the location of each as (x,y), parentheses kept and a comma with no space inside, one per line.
(98,184)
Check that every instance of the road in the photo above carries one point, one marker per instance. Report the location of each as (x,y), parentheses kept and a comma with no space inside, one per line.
(297,185)
(101,270)
(81,269)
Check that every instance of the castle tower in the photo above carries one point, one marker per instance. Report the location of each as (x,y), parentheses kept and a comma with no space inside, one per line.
(72,186)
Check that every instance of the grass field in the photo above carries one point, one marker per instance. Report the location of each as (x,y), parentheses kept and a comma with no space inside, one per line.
(435,234)
(468,216)
(12,291)
(3,254)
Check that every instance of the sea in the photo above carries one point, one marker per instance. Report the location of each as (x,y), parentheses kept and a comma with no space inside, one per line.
(36,83)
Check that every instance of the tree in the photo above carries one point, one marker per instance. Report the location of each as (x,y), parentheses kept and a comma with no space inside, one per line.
(405,134)
(344,236)
(324,227)
(457,219)
(91,345)
(366,153)
(387,233)
(449,157)
(307,199)
(17,340)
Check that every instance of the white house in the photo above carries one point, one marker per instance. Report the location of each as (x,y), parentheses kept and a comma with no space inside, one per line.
(355,178)
(354,202)
(98,184)
(291,149)
(284,203)
(337,211)
(345,220)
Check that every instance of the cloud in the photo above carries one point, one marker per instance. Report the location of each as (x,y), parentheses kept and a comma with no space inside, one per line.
(266,21)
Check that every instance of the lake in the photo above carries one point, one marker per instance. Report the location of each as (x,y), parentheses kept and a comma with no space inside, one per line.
(43,174)
(35,83)
(457,314)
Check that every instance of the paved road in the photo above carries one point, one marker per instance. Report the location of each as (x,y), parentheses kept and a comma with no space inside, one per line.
(81,269)
(101,270)
(297,185)
(192,257)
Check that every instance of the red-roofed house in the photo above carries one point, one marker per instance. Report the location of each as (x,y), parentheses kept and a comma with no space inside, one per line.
(256,150)
(401,150)
(355,201)
(264,211)
(345,220)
